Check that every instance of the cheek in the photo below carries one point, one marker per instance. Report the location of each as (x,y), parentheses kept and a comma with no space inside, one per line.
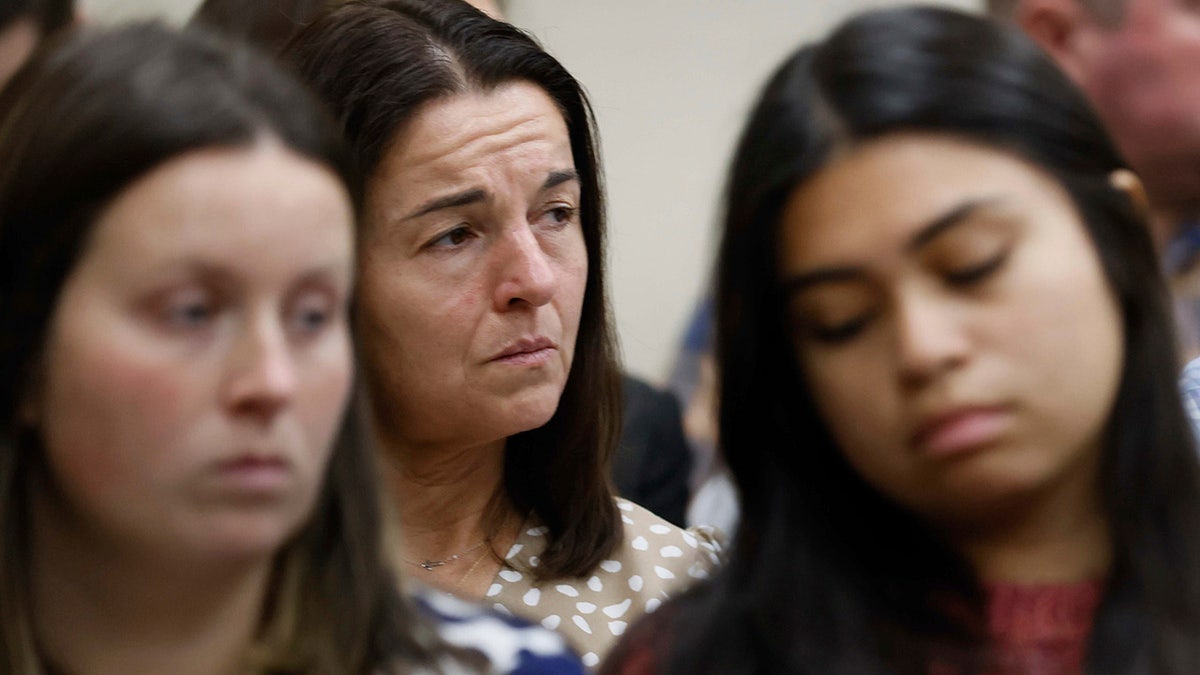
(324,392)
(406,315)
(852,392)
(1066,338)
(110,415)
(572,287)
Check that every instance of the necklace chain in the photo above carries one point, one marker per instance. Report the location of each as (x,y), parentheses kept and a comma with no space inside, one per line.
(429,565)
(475,564)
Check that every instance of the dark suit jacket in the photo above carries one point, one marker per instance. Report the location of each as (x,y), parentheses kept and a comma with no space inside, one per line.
(653,462)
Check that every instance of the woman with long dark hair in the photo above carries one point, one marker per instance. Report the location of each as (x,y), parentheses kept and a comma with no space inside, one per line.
(482,317)
(947,379)
(179,491)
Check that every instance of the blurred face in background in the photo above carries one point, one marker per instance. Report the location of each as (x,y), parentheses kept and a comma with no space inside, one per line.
(198,360)
(954,326)
(473,269)
(1142,72)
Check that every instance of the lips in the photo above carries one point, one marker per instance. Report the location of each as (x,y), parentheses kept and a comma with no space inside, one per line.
(255,473)
(526,351)
(960,430)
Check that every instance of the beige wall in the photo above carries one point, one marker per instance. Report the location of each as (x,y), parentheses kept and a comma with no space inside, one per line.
(670,81)
(118,10)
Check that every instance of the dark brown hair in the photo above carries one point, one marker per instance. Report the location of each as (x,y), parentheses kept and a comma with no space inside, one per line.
(268,24)
(376,62)
(78,125)
(49,15)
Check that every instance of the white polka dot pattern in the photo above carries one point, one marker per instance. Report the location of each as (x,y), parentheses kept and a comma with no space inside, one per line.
(655,561)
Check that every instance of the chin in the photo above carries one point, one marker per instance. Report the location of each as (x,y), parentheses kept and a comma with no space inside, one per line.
(530,413)
(247,538)
(985,501)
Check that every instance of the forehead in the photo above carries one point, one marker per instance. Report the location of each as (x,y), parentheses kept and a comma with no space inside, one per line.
(878,195)
(513,126)
(224,203)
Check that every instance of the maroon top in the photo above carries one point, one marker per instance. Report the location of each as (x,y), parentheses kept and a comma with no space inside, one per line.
(1035,630)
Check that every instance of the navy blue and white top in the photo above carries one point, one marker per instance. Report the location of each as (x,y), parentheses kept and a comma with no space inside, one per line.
(512,646)
(1189,386)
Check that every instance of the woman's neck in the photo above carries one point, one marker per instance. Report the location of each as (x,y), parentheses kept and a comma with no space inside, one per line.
(1062,536)
(98,609)
(446,499)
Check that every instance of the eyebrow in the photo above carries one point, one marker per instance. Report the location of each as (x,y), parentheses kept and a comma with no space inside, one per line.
(559,177)
(954,217)
(463,198)
(927,234)
(476,195)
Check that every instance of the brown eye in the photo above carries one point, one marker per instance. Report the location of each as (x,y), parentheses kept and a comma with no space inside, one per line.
(453,238)
(562,215)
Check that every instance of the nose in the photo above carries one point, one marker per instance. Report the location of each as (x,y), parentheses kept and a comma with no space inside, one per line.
(931,336)
(526,272)
(261,374)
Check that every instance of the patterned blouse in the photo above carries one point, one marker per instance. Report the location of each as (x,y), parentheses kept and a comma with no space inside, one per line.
(654,560)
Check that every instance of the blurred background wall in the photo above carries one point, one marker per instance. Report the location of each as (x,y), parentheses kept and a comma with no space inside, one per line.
(671,81)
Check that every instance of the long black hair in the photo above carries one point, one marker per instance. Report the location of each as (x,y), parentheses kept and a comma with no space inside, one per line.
(82,122)
(826,575)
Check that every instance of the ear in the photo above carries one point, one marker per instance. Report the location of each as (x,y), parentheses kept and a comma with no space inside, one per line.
(1127,181)
(1062,28)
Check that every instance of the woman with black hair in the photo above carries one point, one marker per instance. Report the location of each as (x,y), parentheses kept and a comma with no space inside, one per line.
(947,379)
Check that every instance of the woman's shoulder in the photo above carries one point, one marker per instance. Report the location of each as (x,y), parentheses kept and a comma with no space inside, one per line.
(510,645)
(667,550)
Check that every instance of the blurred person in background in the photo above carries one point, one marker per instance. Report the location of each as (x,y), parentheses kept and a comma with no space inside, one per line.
(482,318)
(268,24)
(947,379)
(271,23)
(653,461)
(179,491)
(1139,63)
(24,24)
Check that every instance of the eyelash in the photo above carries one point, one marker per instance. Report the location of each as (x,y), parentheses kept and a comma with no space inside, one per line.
(848,330)
(312,314)
(566,214)
(191,313)
(974,274)
(843,332)
(457,230)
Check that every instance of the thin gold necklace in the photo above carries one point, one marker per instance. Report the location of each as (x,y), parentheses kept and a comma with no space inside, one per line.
(429,565)
(463,578)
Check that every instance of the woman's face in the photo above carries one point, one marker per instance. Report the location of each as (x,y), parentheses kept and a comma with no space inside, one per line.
(954,325)
(473,269)
(198,361)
